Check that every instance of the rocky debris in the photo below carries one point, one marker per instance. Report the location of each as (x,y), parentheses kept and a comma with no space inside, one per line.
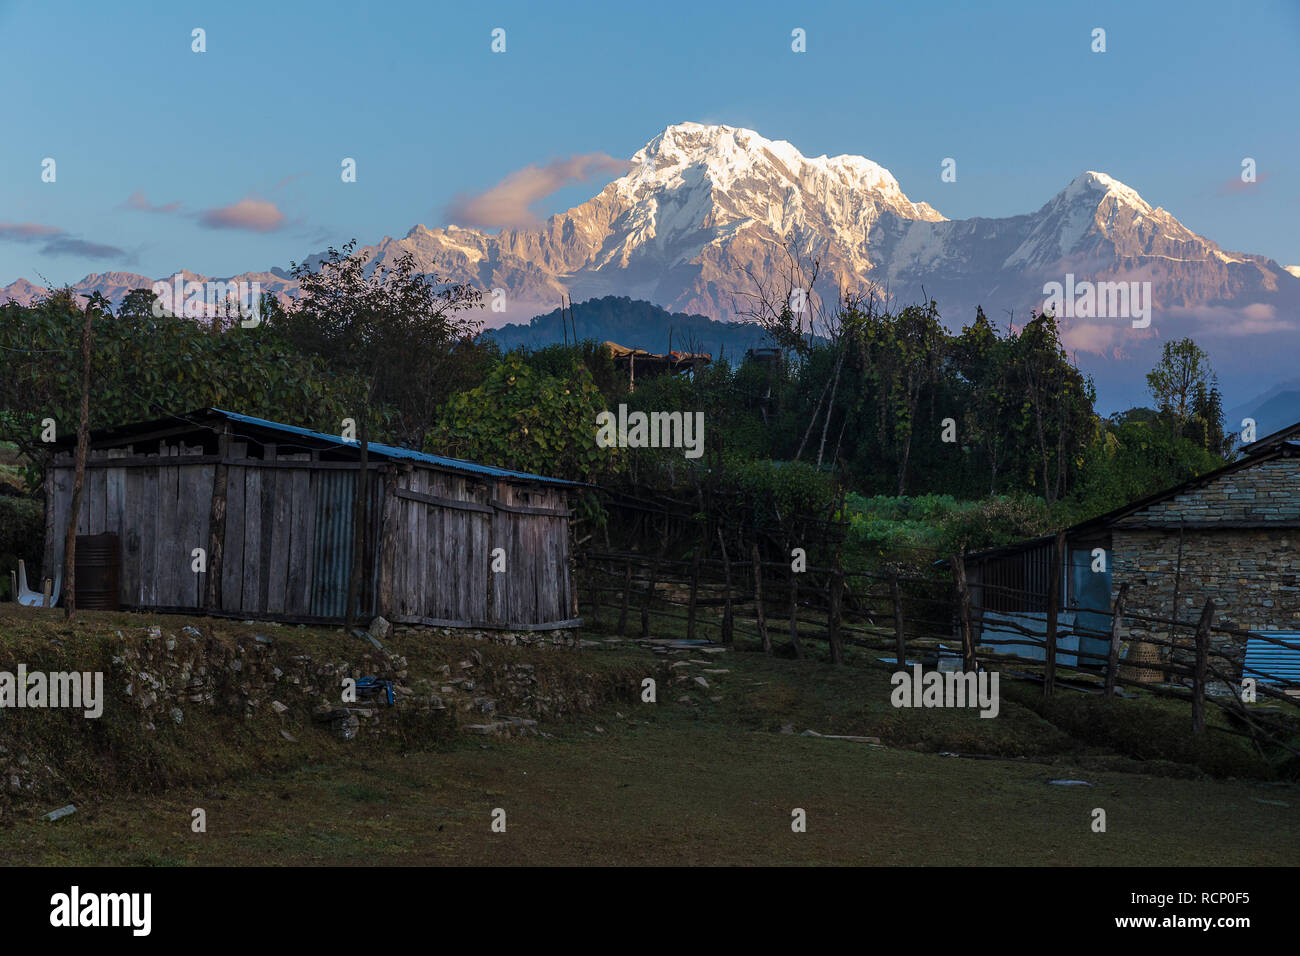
(856,739)
(380,628)
(505,727)
(343,723)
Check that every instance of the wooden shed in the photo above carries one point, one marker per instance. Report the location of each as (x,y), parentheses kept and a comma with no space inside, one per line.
(271,507)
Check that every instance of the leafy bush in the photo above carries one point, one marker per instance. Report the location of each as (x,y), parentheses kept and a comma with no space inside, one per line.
(917,531)
(527,420)
(22,534)
(145,367)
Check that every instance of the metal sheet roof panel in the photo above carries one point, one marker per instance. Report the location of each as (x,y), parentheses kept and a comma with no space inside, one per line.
(397,452)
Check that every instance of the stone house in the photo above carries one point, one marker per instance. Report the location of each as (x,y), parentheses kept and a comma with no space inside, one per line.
(1232,534)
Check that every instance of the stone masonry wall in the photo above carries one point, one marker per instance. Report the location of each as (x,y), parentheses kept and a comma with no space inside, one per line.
(1252,575)
(1267,491)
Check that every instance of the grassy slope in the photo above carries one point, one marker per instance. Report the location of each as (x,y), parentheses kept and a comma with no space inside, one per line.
(712,782)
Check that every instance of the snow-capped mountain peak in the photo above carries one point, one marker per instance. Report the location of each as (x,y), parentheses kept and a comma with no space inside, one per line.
(704,213)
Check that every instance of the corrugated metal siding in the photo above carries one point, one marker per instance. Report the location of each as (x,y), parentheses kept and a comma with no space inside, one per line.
(332,549)
(1280,664)
(332,559)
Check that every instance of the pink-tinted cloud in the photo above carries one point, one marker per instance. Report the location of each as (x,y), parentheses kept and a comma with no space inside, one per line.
(249,214)
(1258,318)
(27,231)
(506,205)
(138,201)
(1235,185)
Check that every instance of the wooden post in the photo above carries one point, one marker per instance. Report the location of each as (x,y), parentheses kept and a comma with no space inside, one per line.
(217,523)
(1116,626)
(392,510)
(654,579)
(695,590)
(759,615)
(1053,600)
(727,623)
(652,585)
(794,614)
(900,640)
(836,612)
(627,597)
(594,587)
(1202,662)
(79,473)
(963,612)
(47,556)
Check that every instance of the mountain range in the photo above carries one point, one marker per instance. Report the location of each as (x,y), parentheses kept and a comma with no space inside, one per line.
(708,213)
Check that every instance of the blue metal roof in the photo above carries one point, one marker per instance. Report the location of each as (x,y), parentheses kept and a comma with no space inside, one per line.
(395,451)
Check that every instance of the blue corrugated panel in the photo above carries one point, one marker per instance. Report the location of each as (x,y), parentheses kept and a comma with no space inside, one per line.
(393,451)
(1275,664)
(332,554)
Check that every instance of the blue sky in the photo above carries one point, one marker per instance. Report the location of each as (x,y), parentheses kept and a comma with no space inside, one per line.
(413,92)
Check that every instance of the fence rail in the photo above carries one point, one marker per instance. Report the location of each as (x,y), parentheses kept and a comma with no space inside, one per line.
(938,620)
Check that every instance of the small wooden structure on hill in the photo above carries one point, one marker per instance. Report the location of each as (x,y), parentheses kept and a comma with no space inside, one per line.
(634,362)
(271,507)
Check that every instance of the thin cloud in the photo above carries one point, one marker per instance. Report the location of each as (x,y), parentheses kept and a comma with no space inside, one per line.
(1236,185)
(70,246)
(506,205)
(1257,318)
(249,214)
(27,231)
(138,201)
(55,242)
(291,178)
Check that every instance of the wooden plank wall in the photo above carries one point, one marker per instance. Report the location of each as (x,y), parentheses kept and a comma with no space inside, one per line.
(441,571)
(441,566)
(161,513)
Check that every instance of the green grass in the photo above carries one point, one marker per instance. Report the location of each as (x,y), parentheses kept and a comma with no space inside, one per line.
(701,781)
(661,787)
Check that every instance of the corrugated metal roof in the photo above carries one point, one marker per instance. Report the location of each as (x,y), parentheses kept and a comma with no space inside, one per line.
(394,451)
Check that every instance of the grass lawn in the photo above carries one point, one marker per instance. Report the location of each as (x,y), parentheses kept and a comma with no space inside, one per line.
(707,782)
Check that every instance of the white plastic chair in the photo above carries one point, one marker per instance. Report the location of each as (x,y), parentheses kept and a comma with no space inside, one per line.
(29,598)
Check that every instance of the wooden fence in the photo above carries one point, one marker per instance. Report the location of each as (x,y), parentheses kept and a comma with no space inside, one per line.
(907,618)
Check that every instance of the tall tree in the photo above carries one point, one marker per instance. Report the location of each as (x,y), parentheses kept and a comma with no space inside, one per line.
(1056,417)
(1183,366)
(96,303)
(1186,392)
(394,327)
